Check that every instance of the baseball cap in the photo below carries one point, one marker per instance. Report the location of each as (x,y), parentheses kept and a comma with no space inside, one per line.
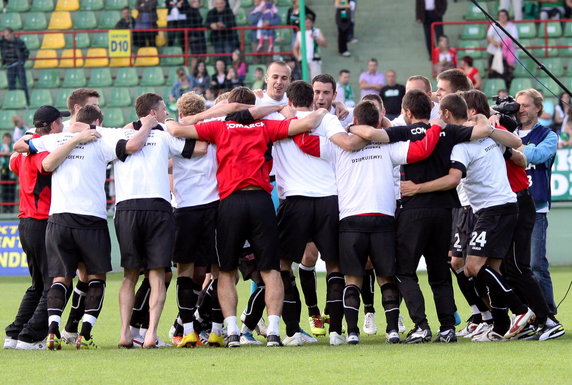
(49,114)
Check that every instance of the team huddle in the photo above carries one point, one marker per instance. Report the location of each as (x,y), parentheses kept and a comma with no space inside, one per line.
(366,195)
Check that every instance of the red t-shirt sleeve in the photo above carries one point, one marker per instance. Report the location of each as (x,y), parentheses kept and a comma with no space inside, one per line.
(209,131)
(37,162)
(277,129)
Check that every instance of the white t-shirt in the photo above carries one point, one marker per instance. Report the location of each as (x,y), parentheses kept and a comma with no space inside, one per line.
(348,120)
(78,184)
(311,35)
(268,101)
(399,121)
(365,177)
(486,183)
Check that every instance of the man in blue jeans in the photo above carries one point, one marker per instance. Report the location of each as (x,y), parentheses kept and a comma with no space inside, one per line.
(540,149)
(14,54)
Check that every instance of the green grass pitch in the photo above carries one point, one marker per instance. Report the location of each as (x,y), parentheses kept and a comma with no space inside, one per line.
(371,362)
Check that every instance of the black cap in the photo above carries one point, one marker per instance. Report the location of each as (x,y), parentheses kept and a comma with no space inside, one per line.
(49,114)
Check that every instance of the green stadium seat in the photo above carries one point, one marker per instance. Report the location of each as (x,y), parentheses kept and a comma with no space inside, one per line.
(284,3)
(553,29)
(114,117)
(84,20)
(283,13)
(126,77)
(14,100)
(554,65)
(3,80)
(474,32)
(32,40)
(549,87)
(74,78)
(568,29)
(203,12)
(81,40)
(518,84)
(565,51)
(172,74)
(132,114)
(473,13)
(12,20)
(283,36)
(91,5)
(119,97)
(35,21)
(40,97)
(43,5)
(172,61)
(48,79)
(520,70)
(108,19)
(481,65)
(99,40)
(116,4)
(152,76)
(246,3)
(29,79)
(18,6)
(471,49)
(6,122)
(241,17)
(542,52)
(142,90)
(61,100)
(492,86)
(100,77)
(526,30)
(102,100)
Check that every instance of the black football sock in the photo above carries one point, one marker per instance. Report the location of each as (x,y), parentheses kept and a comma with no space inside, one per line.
(140,312)
(197,290)
(367,291)
(351,303)
(77,306)
(56,302)
(467,287)
(186,299)
(390,302)
(93,306)
(500,293)
(308,285)
(290,313)
(255,307)
(334,300)
(216,312)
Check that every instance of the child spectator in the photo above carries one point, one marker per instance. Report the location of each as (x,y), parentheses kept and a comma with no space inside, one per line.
(201,79)
(183,84)
(239,64)
(258,83)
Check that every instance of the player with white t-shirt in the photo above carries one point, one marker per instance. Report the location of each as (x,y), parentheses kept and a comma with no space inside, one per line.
(76,100)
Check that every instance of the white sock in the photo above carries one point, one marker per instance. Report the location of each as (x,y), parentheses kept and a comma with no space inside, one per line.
(486,315)
(245,329)
(273,321)
(550,323)
(216,328)
(89,319)
(197,316)
(134,331)
(475,309)
(188,328)
(307,268)
(231,326)
(54,318)
(142,332)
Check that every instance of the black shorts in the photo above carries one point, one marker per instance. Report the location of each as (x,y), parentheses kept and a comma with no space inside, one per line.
(247,215)
(68,246)
(463,223)
(146,238)
(301,219)
(195,234)
(493,231)
(367,236)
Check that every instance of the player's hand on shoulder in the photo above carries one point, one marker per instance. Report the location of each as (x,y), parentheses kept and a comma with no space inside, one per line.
(149,121)
(437,122)
(78,126)
(288,112)
(408,188)
(341,111)
(258,93)
(87,136)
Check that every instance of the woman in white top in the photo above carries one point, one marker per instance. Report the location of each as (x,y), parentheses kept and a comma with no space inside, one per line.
(498,40)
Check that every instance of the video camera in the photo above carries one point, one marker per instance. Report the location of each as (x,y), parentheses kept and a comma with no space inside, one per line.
(507,108)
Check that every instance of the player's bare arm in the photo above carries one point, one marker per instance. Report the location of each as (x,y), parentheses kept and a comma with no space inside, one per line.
(56,157)
(447,182)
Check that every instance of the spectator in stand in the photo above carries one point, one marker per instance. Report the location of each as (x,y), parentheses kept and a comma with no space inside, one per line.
(268,17)
(499,42)
(146,19)
(221,20)
(296,71)
(392,94)
(516,7)
(553,9)
(371,82)
(234,5)
(561,113)
(344,90)
(19,127)
(444,57)
(314,40)
(344,23)
(8,190)
(219,80)
(293,16)
(258,83)
(428,12)
(14,55)
(127,21)
(232,79)
(177,18)
(201,78)
(183,84)
(472,73)
(239,64)
(210,96)
(197,40)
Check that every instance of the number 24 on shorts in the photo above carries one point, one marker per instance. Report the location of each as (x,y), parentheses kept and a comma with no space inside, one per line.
(480,238)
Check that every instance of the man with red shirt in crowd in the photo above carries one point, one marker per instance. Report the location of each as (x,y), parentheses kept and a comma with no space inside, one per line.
(246,211)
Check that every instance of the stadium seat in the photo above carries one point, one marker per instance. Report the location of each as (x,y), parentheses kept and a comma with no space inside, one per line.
(474,31)
(142,90)
(60,20)
(492,86)
(91,5)
(81,40)
(543,52)
(69,59)
(473,13)
(116,4)
(6,122)
(518,84)
(172,74)
(84,20)
(161,39)
(48,79)
(67,5)
(565,51)
(48,58)
(29,79)
(241,17)
(283,13)
(283,36)
(126,77)
(108,19)
(99,40)
(526,30)
(553,29)
(147,56)
(61,100)
(114,117)
(152,76)
(284,3)
(554,65)
(14,100)
(162,18)
(3,80)
(119,62)
(18,6)
(42,5)
(12,20)
(32,40)
(40,97)
(172,61)
(470,49)
(74,78)
(520,70)
(119,97)
(568,29)
(101,96)
(548,87)
(96,57)
(132,113)
(53,41)
(35,21)
(481,65)
(100,77)
(246,3)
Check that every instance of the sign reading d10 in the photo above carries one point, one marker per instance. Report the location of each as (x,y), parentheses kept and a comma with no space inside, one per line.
(119,43)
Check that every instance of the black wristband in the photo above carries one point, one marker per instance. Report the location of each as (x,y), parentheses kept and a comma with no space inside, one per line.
(507,153)
(92,126)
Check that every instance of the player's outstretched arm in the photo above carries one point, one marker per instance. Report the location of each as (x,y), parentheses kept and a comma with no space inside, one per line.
(137,141)
(56,157)
(506,138)
(297,126)
(221,109)
(259,112)
(182,130)
(21,146)
(482,127)
(421,149)
(349,142)
(369,133)
(447,182)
